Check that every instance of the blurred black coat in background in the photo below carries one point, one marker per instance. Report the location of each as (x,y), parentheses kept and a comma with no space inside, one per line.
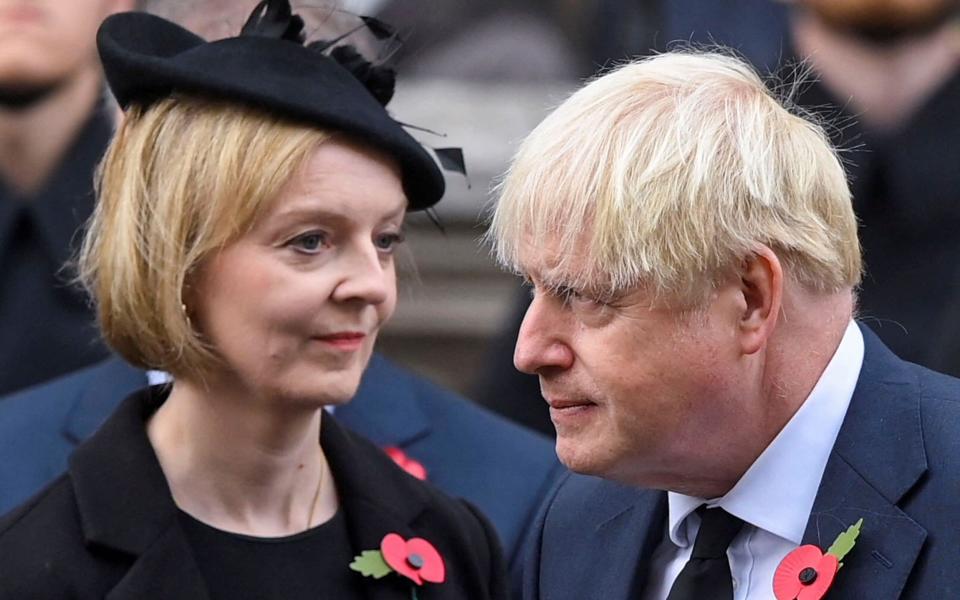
(906,193)
(46,324)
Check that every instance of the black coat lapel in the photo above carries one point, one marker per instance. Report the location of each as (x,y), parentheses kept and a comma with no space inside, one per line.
(364,477)
(166,569)
(878,458)
(125,506)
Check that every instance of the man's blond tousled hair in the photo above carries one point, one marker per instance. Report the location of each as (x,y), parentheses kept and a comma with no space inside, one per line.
(180,180)
(668,171)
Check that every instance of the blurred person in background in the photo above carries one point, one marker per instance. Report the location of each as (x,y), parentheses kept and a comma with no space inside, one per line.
(887,73)
(54,126)
(248,214)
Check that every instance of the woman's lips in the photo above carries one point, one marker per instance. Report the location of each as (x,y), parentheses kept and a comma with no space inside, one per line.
(346,341)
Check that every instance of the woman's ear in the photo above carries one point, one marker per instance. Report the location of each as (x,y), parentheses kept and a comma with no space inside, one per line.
(761,286)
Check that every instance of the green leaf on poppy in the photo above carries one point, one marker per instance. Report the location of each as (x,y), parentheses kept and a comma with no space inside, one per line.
(845,541)
(370,563)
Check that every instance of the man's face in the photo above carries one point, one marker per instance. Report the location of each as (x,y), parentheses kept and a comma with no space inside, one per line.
(44,42)
(637,394)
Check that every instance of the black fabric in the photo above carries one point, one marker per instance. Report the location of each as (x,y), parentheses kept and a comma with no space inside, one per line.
(906,193)
(109,528)
(47,327)
(146,58)
(306,566)
(706,576)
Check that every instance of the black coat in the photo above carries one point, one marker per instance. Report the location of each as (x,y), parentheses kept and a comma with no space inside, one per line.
(47,325)
(906,193)
(108,528)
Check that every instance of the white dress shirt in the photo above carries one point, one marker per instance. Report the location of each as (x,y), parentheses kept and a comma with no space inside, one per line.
(775,496)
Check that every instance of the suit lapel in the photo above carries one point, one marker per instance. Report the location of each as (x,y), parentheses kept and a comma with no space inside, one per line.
(125,506)
(624,526)
(164,570)
(386,410)
(877,459)
(110,382)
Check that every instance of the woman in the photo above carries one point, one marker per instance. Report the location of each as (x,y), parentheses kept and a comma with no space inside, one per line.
(249,209)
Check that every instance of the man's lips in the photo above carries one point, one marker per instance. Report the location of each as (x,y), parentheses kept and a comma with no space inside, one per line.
(564,403)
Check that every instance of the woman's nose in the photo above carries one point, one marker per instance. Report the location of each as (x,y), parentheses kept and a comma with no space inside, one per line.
(368,277)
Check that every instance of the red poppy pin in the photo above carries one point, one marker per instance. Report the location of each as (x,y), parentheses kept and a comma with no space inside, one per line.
(416,559)
(406,463)
(807,573)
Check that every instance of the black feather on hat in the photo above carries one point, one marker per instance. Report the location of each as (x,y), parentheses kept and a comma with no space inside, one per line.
(146,58)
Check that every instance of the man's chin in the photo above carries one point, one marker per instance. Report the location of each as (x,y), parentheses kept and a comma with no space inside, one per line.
(581,456)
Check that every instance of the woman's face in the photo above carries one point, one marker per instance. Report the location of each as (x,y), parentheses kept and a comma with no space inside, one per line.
(293,307)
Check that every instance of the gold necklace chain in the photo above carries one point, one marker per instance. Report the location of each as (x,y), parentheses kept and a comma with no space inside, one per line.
(316,494)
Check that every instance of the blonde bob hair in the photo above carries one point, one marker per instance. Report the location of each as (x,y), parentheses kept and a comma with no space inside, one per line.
(668,171)
(179,180)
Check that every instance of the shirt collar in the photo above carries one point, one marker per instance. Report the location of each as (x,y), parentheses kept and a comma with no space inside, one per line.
(777,492)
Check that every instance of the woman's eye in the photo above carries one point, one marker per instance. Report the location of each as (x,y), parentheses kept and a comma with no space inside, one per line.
(387,242)
(309,242)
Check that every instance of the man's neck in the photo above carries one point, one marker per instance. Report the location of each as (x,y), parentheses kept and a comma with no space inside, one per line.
(884,84)
(34,140)
(809,332)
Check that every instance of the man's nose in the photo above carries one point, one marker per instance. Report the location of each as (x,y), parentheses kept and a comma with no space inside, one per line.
(540,343)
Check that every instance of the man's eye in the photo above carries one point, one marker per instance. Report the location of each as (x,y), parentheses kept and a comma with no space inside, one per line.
(568,294)
(311,242)
(387,242)
(577,298)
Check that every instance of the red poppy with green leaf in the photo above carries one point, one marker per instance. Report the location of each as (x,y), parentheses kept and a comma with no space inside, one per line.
(807,573)
(416,559)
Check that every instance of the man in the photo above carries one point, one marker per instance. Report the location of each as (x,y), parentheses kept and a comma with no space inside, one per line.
(889,74)
(54,126)
(694,256)
(464,450)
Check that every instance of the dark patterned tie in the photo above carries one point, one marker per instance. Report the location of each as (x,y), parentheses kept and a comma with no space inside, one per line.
(706,576)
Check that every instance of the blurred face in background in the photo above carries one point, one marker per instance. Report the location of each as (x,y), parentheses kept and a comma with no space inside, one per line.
(883,19)
(44,43)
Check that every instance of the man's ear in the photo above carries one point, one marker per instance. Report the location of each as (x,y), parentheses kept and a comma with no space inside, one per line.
(761,285)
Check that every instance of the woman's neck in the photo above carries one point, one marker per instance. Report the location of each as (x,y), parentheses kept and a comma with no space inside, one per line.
(241,464)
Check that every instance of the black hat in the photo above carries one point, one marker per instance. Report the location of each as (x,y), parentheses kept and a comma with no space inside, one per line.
(267,66)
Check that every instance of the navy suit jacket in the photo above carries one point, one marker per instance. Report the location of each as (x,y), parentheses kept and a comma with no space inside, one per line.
(503,469)
(896,464)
